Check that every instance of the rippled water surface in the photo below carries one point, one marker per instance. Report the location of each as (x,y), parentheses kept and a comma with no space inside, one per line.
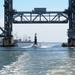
(46,59)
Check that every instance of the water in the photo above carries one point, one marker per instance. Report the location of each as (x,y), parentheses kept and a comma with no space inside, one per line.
(47,59)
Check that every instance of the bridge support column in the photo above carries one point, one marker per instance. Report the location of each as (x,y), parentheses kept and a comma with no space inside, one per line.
(71,38)
(71,30)
(7,43)
(8,17)
(71,42)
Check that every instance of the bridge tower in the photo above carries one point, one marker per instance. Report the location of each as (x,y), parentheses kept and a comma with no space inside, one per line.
(8,16)
(71,30)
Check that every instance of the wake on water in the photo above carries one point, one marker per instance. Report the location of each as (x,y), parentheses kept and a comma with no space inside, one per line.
(41,63)
(18,68)
(38,61)
(40,45)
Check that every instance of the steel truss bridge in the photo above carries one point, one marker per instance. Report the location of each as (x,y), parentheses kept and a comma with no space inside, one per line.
(38,15)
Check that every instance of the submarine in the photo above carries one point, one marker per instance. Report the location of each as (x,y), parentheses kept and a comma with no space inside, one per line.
(35,43)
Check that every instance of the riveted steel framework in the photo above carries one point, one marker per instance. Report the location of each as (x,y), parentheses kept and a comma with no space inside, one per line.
(71,30)
(8,17)
(40,17)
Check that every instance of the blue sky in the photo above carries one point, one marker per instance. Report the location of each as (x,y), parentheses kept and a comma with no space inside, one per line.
(50,32)
(49,4)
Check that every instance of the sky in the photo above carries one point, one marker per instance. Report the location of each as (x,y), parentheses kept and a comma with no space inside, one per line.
(45,32)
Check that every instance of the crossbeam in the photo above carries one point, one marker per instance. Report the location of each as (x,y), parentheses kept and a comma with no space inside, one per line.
(40,17)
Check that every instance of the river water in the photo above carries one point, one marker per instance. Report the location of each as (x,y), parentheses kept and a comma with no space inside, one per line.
(47,59)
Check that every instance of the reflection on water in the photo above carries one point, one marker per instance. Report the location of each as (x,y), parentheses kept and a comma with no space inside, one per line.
(49,59)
